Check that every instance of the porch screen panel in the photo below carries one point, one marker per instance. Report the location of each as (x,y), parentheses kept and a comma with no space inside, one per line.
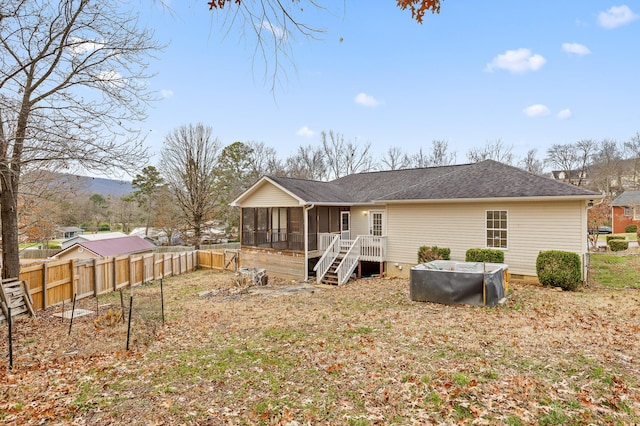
(248,226)
(323,219)
(279,227)
(313,229)
(334,221)
(262,227)
(295,230)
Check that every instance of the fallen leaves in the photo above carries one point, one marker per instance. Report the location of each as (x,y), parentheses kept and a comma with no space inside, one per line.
(360,353)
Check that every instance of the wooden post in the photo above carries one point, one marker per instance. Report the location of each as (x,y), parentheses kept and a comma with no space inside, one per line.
(95,277)
(45,278)
(115,274)
(72,268)
(359,269)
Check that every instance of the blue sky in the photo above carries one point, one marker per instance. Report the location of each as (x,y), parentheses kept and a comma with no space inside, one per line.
(531,73)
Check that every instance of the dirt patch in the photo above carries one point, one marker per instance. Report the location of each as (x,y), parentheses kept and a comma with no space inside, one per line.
(362,353)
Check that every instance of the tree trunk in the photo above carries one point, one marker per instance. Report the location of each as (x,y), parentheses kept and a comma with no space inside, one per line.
(8,214)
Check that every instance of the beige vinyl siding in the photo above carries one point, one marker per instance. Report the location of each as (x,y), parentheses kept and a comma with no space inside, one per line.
(360,220)
(268,195)
(532,227)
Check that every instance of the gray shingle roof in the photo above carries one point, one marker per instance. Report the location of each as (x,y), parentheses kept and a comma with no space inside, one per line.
(627,198)
(313,191)
(486,179)
(115,246)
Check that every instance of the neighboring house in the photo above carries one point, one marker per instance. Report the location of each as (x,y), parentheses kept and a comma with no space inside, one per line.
(574,177)
(625,211)
(126,245)
(65,232)
(91,237)
(295,228)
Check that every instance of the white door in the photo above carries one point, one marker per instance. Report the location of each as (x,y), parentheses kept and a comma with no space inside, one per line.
(345,222)
(377,223)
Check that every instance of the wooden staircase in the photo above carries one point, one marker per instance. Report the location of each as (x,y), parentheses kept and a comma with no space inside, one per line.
(331,277)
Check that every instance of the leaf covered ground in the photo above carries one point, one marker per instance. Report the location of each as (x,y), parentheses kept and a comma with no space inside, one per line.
(359,354)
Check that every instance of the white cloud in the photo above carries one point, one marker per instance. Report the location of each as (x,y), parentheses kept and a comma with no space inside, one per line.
(366,100)
(565,114)
(616,17)
(278,32)
(576,49)
(166,93)
(80,47)
(537,110)
(517,61)
(305,131)
(111,77)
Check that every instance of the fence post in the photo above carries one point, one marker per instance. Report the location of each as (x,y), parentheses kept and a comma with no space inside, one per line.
(45,278)
(72,268)
(115,274)
(95,277)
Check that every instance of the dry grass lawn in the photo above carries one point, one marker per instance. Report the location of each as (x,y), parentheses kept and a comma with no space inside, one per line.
(359,354)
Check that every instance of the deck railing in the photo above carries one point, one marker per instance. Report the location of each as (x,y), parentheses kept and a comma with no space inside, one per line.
(330,253)
(372,248)
(349,262)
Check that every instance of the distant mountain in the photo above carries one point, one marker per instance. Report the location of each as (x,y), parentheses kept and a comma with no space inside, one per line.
(93,185)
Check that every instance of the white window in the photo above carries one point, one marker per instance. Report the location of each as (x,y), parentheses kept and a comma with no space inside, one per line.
(627,211)
(636,212)
(497,228)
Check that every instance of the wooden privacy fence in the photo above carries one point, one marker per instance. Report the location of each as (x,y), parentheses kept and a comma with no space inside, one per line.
(52,282)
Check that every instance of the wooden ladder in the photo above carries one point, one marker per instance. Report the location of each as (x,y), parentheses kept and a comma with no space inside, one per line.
(15,295)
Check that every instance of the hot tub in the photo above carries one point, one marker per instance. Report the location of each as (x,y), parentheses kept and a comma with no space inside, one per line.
(454,283)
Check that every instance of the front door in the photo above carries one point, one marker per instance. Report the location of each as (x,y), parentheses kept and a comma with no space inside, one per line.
(345,222)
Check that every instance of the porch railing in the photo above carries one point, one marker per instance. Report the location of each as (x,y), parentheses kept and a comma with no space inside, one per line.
(331,252)
(372,248)
(349,262)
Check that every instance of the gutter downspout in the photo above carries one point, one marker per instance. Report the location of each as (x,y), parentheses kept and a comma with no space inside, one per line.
(306,241)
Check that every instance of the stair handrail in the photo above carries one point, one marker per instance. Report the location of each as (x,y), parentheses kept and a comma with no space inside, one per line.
(349,262)
(325,262)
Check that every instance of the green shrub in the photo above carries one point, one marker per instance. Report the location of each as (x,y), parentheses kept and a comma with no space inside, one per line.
(633,228)
(615,237)
(484,255)
(618,245)
(427,254)
(557,268)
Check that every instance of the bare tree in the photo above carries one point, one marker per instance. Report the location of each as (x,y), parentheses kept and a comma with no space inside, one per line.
(395,159)
(275,23)
(585,149)
(345,158)
(189,161)
(72,87)
(607,171)
(307,163)
(563,157)
(440,155)
(632,149)
(263,160)
(493,150)
(531,163)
